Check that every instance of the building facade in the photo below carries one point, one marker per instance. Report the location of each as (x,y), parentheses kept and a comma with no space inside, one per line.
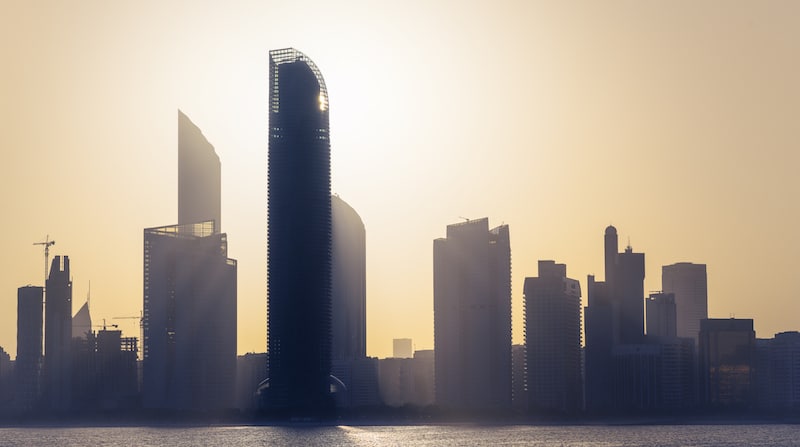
(661,319)
(553,340)
(28,368)
(472,316)
(727,355)
(299,238)
(189,319)
(614,316)
(689,283)
(58,336)
(199,176)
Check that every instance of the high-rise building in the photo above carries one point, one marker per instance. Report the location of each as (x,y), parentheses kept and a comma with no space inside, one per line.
(689,283)
(727,354)
(199,176)
(299,238)
(661,315)
(778,372)
(472,316)
(28,368)
(348,282)
(553,340)
(58,336)
(614,316)
(189,318)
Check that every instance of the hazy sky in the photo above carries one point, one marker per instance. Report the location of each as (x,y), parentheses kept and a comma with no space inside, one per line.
(678,122)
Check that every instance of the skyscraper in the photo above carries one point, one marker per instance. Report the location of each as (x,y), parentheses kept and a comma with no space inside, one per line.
(614,316)
(189,318)
(727,354)
(189,359)
(472,316)
(199,176)
(348,283)
(299,237)
(58,336)
(689,283)
(28,366)
(553,340)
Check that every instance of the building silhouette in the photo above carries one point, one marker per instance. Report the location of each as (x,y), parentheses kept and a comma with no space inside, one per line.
(58,336)
(28,364)
(553,340)
(407,380)
(299,238)
(199,176)
(349,361)
(189,319)
(472,316)
(6,381)
(689,283)
(727,358)
(614,316)
(190,294)
(348,283)
(661,319)
(778,372)
(104,371)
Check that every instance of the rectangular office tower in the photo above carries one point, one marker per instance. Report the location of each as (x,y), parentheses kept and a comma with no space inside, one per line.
(28,366)
(689,283)
(727,354)
(58,336)
(189,318)
(553,340)
(472,316)
(661,315)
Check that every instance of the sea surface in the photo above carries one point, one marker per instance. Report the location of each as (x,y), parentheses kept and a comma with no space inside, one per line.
(414,435)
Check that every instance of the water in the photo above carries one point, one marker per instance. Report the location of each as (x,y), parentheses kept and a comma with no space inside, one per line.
(418,435)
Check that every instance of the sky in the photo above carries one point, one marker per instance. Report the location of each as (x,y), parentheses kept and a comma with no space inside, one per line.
(677,122)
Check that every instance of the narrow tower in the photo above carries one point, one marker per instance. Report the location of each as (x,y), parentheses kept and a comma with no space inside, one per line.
(299,238)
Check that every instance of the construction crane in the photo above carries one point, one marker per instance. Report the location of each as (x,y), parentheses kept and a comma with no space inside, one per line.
(140,318)
(47,243)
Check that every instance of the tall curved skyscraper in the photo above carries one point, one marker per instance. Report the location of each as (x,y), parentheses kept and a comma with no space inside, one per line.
(299,239)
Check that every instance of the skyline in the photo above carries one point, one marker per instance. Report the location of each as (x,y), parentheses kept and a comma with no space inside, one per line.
(557,120)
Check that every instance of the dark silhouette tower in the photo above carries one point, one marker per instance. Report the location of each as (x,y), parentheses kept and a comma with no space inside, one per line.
(28,368)
(299,239)
(614,317)
(198,176)
(58,336)
(553,340)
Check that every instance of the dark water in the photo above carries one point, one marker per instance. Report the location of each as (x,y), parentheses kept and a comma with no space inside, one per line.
(421,435)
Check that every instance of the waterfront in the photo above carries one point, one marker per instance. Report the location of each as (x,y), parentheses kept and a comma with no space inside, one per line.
(414,435)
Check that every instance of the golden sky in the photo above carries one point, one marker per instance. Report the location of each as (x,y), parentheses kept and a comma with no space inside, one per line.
(678,122)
